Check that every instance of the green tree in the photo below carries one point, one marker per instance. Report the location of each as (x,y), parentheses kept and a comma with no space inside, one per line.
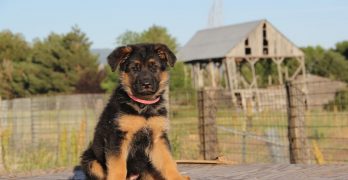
(155,34)
(342,48)
(158,34)
(326,63)
(111,80)
(58,63)
(264,69)
(65,59)
(14,54)
(340,102)
(128,37)
(178,79)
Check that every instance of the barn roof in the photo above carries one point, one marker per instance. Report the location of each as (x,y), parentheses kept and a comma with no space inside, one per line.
(216,42)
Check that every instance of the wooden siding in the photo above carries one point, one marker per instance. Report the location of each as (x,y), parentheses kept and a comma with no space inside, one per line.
(278,44)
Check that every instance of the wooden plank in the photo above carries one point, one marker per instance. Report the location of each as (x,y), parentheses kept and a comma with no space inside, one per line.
(2,168)
(211,70)
(204,162)
(221,171)
(278,44)
(278,61)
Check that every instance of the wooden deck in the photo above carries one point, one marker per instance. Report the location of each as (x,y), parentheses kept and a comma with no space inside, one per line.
(250,171)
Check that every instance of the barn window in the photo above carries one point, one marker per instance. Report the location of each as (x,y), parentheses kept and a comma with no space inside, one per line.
(264,32)
(247,51)
(247,48)
(265,51)
(265,42)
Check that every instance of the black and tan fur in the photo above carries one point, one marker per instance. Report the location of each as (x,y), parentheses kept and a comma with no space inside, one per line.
(131,138)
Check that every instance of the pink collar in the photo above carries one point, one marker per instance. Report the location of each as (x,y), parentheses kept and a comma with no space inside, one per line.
(142,101)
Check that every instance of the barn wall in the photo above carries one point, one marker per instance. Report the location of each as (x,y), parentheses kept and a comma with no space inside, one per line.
(278,45)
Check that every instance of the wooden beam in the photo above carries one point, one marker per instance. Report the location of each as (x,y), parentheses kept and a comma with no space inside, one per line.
(197,76)
(193,77)
(218,161)
(211,70)
(301,68)
(302,60)
(200,77)
(230,70)
(278,61)
(244,82)
(230,67)
(266,57)
(185,76)
(252,62)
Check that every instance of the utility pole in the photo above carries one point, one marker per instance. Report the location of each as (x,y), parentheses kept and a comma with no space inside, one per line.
(215,18)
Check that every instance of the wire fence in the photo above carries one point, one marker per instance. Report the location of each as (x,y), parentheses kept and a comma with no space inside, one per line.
(46,132)
(292,123)
(248,131)
(252,126)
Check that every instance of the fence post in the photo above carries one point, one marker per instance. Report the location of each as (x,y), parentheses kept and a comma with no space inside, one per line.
(2,168)
(298,145)
(207,124)
(33,123)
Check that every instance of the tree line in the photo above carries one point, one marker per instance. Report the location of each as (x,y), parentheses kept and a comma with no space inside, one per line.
(55,64)
(64,63)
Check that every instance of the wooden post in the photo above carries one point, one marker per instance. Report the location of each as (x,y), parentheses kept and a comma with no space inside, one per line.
(286,71)
(185,76)
(192,76)
(280,76)
(197,76)
(230,70)
(298,145)
(269,80)
(33,123)
(252,62)
(301,68)
(254,83)
(278,61)
(207,123)
(57,114)
(2,167)
(211,70)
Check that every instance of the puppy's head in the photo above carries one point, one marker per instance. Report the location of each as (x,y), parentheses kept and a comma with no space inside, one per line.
(143,68)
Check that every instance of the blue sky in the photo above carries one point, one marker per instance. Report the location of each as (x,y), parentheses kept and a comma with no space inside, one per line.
(305,22)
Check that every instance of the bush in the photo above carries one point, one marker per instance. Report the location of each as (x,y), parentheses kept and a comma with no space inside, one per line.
(340,102)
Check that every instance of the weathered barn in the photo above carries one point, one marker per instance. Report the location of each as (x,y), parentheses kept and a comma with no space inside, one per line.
(221,51)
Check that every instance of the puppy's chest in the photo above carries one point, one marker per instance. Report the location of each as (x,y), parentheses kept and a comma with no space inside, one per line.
(142,128)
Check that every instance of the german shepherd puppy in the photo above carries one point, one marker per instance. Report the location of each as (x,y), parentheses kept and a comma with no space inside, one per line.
(131,140)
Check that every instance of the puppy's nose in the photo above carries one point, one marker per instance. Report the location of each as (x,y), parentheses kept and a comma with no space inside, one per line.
(146,84)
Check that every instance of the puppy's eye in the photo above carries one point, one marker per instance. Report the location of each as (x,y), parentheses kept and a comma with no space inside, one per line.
(135,68)
(153,67)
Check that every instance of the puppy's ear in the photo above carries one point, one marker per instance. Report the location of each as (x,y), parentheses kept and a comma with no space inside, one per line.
(165,54)
(118,56)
